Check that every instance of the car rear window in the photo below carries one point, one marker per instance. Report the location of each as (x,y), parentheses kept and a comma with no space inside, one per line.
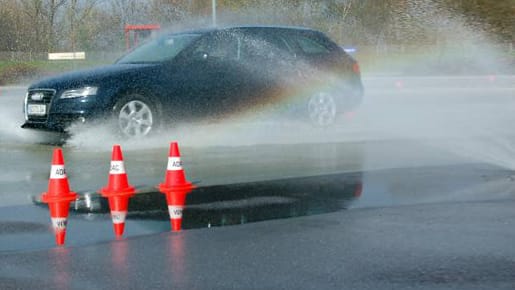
(264,46)
(311,44)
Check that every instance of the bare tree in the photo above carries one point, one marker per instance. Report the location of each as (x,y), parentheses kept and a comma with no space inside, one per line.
(33,9)
(130,11)
(78,13)
(45,25)
(50,12)
(42,16)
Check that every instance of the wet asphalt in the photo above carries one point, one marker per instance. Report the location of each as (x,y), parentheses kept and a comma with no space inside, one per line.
(448,245)
(382,206)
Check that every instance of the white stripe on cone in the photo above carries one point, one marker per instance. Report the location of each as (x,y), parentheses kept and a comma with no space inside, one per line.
(174,163)
(175,211)
(57,172)
(117,167)
(118,216)
(59,224)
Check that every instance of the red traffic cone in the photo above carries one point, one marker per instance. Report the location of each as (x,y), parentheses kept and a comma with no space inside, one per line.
(118,191)
(175,187)
(58,196)
(175,178)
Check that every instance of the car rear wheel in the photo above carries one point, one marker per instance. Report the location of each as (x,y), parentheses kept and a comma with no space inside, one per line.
(322,109)
(136,117)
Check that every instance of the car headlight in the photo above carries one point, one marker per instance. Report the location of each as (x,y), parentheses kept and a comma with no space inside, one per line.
(80,92)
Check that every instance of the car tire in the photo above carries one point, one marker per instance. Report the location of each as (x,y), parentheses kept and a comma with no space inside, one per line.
(136,116)
(322,109)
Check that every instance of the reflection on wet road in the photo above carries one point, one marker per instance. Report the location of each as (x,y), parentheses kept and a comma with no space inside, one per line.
(26,227)
(242,203)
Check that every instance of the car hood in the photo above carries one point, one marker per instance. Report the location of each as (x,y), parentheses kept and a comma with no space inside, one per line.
(95,76)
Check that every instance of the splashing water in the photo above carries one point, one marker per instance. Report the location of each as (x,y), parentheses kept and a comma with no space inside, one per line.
(470,116)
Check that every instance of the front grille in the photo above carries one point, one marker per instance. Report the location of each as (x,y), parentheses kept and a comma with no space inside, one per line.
(40,98)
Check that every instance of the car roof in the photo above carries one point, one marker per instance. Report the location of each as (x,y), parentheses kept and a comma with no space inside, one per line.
(247,27)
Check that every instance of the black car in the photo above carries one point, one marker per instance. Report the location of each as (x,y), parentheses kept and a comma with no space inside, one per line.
(204,74)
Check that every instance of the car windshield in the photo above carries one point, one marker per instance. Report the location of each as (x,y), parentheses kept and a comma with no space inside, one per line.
(161,49)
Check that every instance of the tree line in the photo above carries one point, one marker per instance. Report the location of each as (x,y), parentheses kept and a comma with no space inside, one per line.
(70,25)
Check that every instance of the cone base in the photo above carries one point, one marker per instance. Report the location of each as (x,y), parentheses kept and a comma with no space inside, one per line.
(47,197)
(110,192)
(186,187)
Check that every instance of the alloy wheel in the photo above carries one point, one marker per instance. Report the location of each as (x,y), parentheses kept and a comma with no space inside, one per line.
(135,119)
(322,109)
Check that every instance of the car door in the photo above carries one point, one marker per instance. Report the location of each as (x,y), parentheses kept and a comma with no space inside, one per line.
(208,76)
(270,63)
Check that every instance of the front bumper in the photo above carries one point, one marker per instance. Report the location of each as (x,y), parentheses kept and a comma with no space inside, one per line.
(56,123)
(58,114)
(42,126)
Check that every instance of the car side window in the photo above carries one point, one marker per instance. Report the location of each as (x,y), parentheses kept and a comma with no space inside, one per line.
(254,48)
(264,48)
(287,46)
(221,46)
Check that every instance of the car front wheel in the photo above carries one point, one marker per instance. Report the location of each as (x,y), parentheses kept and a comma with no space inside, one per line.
(322,109)
(136,117)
